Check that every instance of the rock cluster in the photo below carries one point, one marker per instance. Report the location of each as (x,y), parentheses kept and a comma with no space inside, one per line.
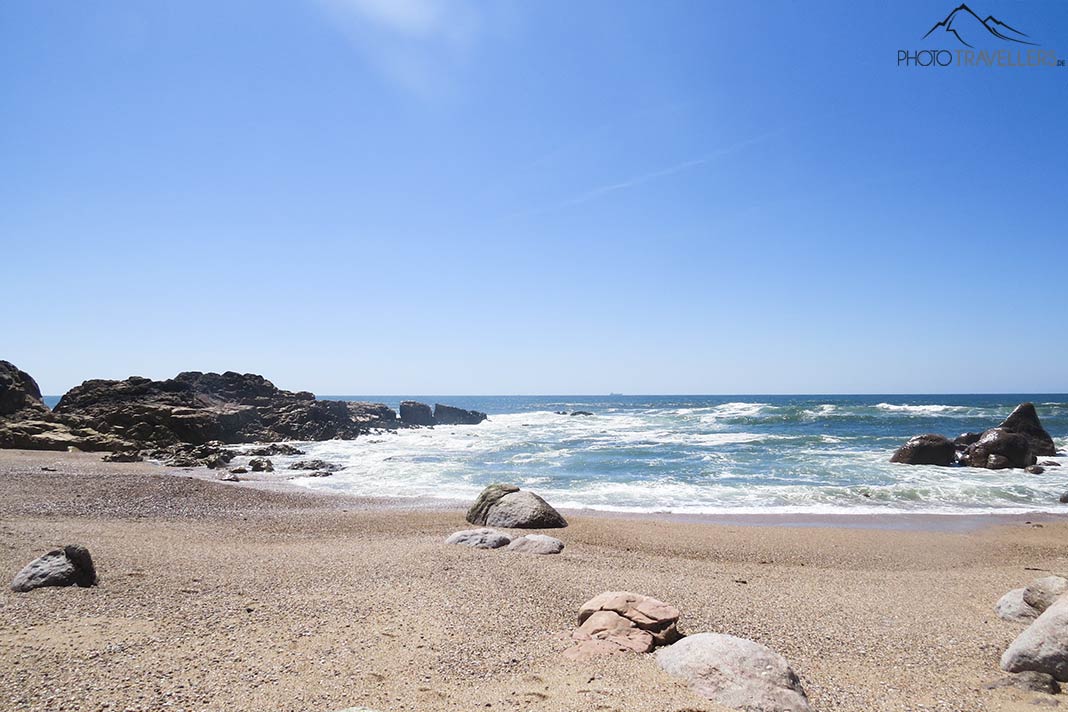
(507,506)
(167,418)
(1023,605)
(1016,442)
(70,566)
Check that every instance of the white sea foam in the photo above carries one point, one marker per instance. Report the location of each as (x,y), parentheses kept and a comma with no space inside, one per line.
(672,460)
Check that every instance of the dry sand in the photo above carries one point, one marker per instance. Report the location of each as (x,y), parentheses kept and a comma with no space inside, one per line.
(218,596)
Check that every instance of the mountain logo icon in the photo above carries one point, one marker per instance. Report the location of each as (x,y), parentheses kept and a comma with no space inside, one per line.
(967,27)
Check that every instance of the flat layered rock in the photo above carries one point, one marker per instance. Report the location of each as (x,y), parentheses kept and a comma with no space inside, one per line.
(479,539)
(621,621)
(735,672)
(537,544)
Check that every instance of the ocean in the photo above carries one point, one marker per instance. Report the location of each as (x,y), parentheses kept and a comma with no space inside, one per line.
(701,454)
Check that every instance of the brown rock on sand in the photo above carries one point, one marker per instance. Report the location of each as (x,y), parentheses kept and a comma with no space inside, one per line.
(617,621)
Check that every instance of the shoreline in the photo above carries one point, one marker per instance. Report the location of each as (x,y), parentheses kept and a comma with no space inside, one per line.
(224,596)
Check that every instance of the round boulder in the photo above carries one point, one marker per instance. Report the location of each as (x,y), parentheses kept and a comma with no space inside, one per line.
(507,506)
(735,672)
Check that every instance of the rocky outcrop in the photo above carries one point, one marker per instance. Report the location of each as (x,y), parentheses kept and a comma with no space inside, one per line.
(448,415)
(27,423)
(509,507)
(1043,645)
(926,450)
(479,539)
(1024,420)
(537,544)
(373,415)
(321,465)
(736,673)
(1015,443)
(70,566)
(621,621)
(416,413)
(197,407)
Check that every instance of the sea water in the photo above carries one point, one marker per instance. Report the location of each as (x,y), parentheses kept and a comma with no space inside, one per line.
(701,454)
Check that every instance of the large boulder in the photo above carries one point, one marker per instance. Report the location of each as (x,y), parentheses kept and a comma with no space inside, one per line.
(416,413)
(1024,420)
(1043,645)
(18,390)
(928,449)
(998,449)
(735,672)
(509,507)
(69,566)
(448,415)
(621,621)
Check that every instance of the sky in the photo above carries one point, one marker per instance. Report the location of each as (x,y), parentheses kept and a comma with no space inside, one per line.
(493,197)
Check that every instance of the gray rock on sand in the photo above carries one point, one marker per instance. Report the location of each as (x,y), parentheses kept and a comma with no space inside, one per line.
(1043,645)
(1043,592)
(479,539)
(507,506)
(536,544)
(621,621)
(735,672)
(69,566)
(1013,608)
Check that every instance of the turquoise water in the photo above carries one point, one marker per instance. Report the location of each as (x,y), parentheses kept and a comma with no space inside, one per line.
(702,454)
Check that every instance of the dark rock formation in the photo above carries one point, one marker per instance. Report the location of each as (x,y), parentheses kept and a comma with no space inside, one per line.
(260,464)
(374,415)
(416,413)
(321,465)
(199,407)
(27,423)
(274,449)
(1035,470)
(581,412)
(998,449)
(448,415)
(926,450)
(69,566)
(1015,443)
(1024,420)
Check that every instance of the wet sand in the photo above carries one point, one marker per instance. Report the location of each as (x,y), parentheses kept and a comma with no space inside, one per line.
(220,596)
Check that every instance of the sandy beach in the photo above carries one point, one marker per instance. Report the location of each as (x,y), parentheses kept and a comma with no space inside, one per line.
(220,596)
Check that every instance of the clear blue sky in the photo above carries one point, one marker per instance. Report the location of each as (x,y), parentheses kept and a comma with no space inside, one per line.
(476,197)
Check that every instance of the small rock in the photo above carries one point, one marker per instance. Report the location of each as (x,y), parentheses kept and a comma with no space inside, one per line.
(239,471)
(537,544)
(122,457)
(1012,607)
(322,465)
(1050,463)
(479,539)
(274,449)
(260,464)
(70,566)
(581,412)
(228,477)
(1035,469)
(1030,681)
